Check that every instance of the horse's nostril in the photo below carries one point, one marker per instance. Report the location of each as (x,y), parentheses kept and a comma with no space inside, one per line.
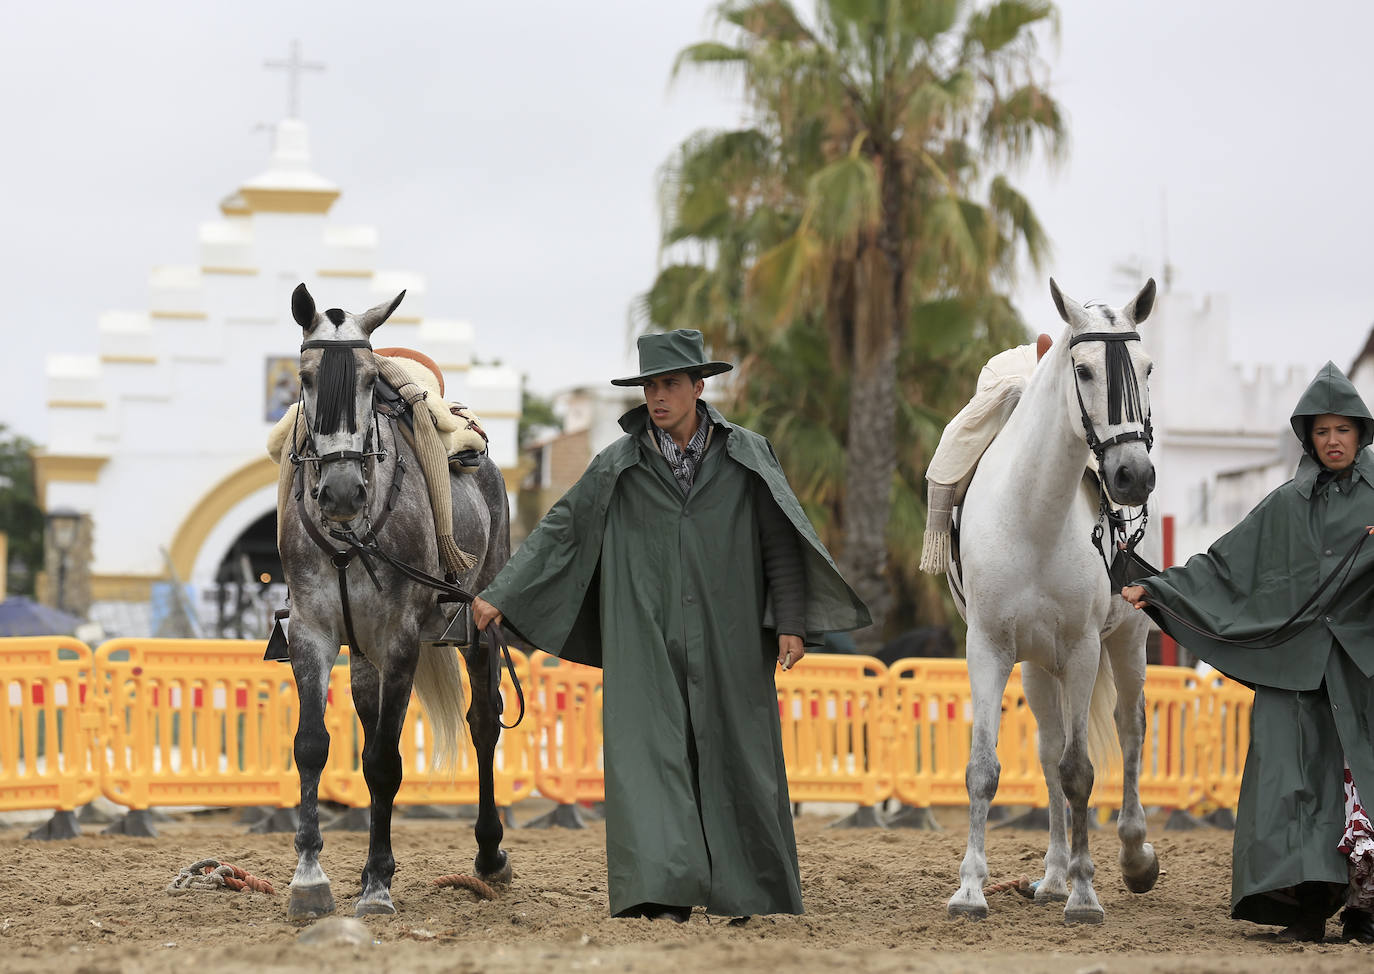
(1123,477)
(1150,480)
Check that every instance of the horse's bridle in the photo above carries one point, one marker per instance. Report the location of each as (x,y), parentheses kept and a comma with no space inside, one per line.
(310,456)
(1121,542)
(1099,447)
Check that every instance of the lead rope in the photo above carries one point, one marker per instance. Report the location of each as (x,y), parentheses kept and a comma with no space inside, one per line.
(1275,634)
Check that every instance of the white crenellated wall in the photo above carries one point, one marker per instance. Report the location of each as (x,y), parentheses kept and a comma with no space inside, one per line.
(1222,437)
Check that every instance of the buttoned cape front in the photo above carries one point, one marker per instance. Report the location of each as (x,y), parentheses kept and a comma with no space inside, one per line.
(666,592)
(1314,693)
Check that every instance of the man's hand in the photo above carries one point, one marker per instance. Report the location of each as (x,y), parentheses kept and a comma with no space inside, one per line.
(484,613)
(1135,594)
(790,649)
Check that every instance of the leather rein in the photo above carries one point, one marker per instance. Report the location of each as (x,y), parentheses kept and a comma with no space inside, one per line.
(343,544)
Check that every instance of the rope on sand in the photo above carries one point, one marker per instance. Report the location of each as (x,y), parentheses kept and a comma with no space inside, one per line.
(483,891)
(1022,886)
(212,874)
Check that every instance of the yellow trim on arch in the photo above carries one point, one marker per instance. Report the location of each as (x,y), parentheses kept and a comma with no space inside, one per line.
(216,503)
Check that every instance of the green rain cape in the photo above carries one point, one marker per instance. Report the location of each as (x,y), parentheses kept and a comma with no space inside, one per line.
(1314,696)
(666,593)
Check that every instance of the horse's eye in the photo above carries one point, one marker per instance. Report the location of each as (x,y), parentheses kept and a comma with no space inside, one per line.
(308,380)
(1084,373)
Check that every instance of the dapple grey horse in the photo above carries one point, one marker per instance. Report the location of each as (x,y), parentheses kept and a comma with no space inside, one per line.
(357,480)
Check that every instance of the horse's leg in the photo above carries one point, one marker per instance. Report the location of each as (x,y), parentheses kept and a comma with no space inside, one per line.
(311,660)
(1042,693)
(989,668)
(1126,649)
(1076,777)
(491,864)
(382,768)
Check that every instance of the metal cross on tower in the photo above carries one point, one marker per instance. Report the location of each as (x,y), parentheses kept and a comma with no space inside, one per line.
(293,68)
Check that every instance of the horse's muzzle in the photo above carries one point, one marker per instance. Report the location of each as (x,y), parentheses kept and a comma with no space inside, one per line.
(1128,474)
(341,493)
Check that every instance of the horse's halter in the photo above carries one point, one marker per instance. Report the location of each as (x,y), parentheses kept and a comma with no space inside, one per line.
(1122,391)
(1123,396)
(309,454)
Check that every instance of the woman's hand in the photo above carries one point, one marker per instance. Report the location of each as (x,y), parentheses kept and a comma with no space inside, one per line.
(1135,594)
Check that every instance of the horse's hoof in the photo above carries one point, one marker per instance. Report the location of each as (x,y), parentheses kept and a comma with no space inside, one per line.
(501,876)
(1049,894)
(1143,880)
(378,903)
(310,902)
(1084,914)
(962,906)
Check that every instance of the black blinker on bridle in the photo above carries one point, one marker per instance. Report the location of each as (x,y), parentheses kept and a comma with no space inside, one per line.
(373,435)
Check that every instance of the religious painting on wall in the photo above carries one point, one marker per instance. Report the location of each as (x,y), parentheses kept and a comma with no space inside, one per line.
(282,387)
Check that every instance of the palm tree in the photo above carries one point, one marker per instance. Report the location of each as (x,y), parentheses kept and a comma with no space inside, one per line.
(848,208)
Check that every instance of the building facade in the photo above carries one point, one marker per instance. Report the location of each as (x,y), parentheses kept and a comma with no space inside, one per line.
(158,435)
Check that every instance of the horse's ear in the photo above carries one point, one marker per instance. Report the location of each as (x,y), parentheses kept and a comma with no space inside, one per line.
(372,318)
(1059,302)
(303,307)
(1144,302)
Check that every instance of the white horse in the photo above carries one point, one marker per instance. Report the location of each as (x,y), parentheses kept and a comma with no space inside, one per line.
(1037,593)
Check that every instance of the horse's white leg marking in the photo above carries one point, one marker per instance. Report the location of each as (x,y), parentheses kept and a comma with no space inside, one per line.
(1042,693)
(987,681)
(1076,776)
(1126,648)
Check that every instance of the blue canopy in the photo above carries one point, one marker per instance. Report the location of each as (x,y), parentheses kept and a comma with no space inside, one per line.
(21,616)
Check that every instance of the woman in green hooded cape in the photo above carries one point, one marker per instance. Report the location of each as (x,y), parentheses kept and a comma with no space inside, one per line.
(1301,846)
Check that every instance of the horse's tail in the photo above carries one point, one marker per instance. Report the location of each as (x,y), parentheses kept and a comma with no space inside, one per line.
(439,685)
(1102,745)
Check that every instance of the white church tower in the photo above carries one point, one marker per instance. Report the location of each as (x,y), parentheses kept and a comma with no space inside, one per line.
(158,438)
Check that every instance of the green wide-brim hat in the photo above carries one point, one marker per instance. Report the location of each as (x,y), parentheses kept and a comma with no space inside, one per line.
(675,351)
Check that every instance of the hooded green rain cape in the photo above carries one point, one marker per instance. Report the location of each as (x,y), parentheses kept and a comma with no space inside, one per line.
(666,593)
(1314,696)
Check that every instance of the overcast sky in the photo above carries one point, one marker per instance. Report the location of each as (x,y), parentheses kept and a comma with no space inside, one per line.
(508,151)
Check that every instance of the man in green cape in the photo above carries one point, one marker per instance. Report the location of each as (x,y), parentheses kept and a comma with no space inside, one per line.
(682,564)
(1314,691)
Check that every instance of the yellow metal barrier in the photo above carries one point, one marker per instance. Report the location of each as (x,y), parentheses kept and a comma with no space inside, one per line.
(196,722)
(207,722)
(565,702)
(934,720)
(1224,718)
(421,782)
(837,729)
(49,724)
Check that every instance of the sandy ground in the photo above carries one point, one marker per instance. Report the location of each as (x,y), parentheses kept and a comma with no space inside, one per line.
(875,901)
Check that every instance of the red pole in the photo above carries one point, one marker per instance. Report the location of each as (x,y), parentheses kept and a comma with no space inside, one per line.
(1168,649)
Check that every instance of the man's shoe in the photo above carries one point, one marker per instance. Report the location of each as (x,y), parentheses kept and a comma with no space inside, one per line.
(1308,930)
(678,914)
(1357,925)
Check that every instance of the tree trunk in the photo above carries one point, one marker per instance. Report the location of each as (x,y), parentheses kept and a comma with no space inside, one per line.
(871,461)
